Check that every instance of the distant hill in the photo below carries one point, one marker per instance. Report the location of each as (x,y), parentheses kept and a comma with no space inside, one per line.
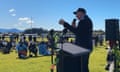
(10,30)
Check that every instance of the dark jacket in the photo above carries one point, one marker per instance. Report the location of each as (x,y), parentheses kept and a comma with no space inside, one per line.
(83,32)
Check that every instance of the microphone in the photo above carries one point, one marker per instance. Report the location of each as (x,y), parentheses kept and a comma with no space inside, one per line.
(74,22)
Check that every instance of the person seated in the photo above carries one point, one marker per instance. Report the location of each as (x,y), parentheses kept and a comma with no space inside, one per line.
(4,43)
(43,49)
(1,45)
(22,50)
(8,48)
(5,47)
(32,49)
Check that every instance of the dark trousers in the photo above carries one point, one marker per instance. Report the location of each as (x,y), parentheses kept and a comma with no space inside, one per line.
(85,63)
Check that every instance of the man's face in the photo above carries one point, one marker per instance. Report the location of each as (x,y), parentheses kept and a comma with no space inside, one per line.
(79,15)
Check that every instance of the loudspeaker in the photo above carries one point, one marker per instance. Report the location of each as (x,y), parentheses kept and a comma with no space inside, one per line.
(112,29)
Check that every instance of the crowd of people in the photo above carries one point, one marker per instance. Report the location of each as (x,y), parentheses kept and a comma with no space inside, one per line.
(98,39)
(31,47)
(23,47)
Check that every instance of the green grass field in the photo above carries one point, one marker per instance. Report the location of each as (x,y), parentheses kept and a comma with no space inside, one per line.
(10,63)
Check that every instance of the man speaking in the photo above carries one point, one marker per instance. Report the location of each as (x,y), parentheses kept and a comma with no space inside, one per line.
(83,33)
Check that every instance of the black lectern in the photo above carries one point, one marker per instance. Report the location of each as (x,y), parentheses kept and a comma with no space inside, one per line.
(69,57)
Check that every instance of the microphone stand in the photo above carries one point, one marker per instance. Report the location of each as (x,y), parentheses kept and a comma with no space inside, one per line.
(52,50)
(62,53)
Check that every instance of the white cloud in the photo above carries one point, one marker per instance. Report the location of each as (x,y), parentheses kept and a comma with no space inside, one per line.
(13,14)
(26,20)
(12,10)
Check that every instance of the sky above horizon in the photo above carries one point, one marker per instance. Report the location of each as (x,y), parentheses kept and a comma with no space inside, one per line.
(46,13)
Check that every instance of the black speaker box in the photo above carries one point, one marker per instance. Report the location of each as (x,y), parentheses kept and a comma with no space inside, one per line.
(112,29)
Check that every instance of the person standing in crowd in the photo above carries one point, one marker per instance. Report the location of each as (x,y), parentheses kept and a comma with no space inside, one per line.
(3,37)
(22,36)
(101,39)
(17,37)
(83,32)
(1,43)
(30,38)
(96,40)
(11,37)
(0,37)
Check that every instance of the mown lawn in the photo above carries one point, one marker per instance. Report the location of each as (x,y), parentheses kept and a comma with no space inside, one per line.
(10,63)
(98,60)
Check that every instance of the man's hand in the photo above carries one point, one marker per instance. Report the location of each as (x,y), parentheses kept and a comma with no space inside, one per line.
(61,21)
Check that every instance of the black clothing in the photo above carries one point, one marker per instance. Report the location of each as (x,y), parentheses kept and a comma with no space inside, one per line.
(83,32)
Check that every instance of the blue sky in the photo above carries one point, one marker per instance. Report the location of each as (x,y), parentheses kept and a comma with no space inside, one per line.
(46,13)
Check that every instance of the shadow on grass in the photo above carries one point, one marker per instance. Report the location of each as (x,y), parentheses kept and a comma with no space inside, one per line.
(28,57)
